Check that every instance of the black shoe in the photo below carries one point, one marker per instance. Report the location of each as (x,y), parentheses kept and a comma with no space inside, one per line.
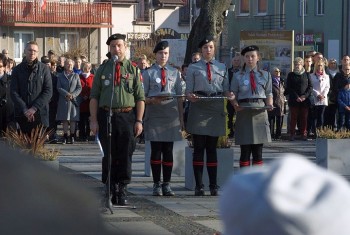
(167,190)
(114,195)
(71,139)
(199,190)
(122,195)
(214,190)
(65,139)
(157,189)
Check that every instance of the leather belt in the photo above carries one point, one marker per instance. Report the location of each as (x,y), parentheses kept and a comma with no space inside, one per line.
(255,100)
(121,110)
(202,93)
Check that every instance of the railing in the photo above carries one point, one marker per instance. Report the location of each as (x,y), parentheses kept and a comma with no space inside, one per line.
(273,22)
(57,14)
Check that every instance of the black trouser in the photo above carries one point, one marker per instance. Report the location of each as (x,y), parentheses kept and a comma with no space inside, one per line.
(276,121)
(122,147)
(329,116)
(52,121)
(207,143)
(251,149)
(84,125)
(26,126)
(157,150)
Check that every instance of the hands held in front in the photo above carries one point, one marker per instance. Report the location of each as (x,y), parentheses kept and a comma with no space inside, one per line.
(30,114)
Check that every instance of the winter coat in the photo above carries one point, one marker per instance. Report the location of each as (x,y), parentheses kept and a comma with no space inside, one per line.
(68,110)
(31,87)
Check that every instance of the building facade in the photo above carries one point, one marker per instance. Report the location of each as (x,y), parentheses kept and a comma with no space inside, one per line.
(325,22)
(82,27)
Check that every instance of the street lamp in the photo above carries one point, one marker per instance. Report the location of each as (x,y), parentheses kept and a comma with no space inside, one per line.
(303,25)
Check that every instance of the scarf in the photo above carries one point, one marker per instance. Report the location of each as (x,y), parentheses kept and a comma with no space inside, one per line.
(276,81)
(299,72)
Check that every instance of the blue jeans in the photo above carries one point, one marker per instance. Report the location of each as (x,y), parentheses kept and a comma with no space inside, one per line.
(344,120)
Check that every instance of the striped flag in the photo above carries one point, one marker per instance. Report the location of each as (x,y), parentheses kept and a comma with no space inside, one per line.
(43,5)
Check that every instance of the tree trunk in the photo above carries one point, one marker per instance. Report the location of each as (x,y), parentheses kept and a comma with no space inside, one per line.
(210,22)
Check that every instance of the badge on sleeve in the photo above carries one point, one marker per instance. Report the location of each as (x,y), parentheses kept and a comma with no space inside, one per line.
(103,77)
(246,82)
(107,82)
(158,80)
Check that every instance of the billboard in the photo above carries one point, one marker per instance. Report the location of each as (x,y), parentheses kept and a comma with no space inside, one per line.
(276,48)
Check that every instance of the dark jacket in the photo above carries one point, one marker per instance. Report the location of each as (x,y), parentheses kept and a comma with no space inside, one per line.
(298,85)
(31,87)
(6,104)
(338,83)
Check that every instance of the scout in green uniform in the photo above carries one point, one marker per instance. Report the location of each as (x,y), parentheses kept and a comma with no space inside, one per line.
(118,85)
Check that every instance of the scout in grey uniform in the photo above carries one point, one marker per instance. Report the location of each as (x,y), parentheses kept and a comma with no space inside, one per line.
(121,91)
(164,116)
(206,117)
(252,88)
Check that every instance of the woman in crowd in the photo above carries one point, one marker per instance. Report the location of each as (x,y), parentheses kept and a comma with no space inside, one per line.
(163,118)
(298,89)
(277,114)
(321,86)
(206,117)
(86,80)
(69,87)
(252,88)
(6,104)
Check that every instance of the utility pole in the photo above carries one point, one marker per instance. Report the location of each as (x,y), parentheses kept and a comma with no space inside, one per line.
(303,25)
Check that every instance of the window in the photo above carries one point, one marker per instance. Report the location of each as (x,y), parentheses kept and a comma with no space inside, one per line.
(184,14)
(143,11)
(319,7)
(261,7)
(68,41)
(244,7)
(21,39)
(306,8)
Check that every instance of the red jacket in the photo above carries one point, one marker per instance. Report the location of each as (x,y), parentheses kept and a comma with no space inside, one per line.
(86,85)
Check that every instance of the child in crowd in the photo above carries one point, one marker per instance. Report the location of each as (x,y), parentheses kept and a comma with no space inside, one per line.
(344,107)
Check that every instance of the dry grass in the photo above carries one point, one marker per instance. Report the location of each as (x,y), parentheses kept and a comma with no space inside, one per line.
(33,144)
(328,133)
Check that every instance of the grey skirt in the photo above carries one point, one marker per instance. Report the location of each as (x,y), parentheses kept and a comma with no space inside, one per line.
(162,122)
(207,118)
(252,127)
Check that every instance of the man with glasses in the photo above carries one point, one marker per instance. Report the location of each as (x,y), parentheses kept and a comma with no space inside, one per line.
(31,90)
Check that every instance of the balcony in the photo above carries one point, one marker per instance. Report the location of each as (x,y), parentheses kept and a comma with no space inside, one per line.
(274,22)
(57,14)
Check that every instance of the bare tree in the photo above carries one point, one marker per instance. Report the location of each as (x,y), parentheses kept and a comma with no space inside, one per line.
(210,22)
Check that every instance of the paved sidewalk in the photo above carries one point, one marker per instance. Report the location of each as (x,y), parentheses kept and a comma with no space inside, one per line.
(182,214)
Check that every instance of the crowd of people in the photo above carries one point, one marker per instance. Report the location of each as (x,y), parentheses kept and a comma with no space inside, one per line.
(124,100)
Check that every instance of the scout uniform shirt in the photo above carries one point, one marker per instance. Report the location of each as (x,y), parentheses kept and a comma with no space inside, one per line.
(252,125)
(126,94)
(207,116)
(162,120)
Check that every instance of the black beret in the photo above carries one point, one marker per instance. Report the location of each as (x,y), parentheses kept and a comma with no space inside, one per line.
(205,41)
(249,48)
(161,46)
(51,52)
(45,60)
(116,36)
